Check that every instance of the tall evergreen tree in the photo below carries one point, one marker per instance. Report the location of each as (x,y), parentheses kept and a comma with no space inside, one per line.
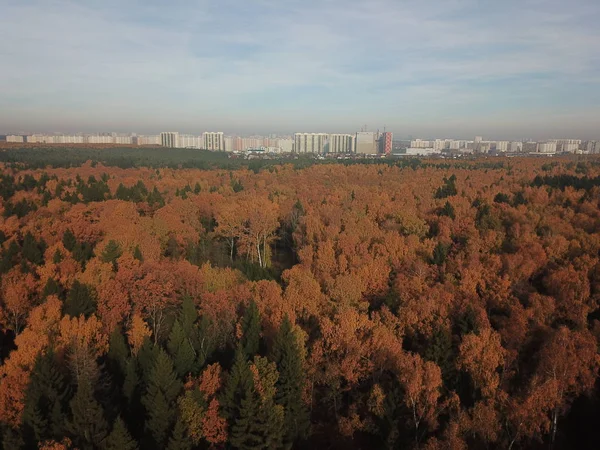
(87,426)
(33,251)
(137,253)
(119,438)
(159,399)
(287,354)
(181,350)
(69,240)
(45,401)
(111,253)
(237,386)
(251,330)
(179,440)
(79,301)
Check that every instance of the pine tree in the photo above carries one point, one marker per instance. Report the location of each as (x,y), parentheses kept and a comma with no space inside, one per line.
(251,330)
(238,383)
(32,251)
(159,399)
(57,257)
(45,398)
(179,440)
(69,240)
(181,350)
(137,253)
(146,358)
(87,426)
(188,315)
(79,301)
(131,381)
(245,429)
(287,354)
(119,438)
(118,352)
(111,253)
(51,288)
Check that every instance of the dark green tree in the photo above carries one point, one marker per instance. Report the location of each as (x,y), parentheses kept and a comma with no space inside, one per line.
(119,438)
(440,253)
(87,425)
(137,253)
(111,253)
(33,251)
(448,210)
(159,399)
(69,240)
(57,257)
(181,350)
(80,300)
(45,401)
(179,440)
(251,330)
(287,354)
(239,383)
(52,288)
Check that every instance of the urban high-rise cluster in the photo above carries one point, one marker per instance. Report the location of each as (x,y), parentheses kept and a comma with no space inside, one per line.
(419,147)
(361,143)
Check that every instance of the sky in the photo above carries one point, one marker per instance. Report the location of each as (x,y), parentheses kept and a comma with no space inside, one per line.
(510,69)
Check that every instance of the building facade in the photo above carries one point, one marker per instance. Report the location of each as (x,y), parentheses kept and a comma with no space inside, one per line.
(341,143)
(14,138)
(169,139)
(214,141)
(385,143)
(310,142)
(365,143)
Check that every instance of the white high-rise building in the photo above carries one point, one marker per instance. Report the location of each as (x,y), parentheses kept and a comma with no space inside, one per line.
(169,139)
(213,141)
(547,147)
(478,139)
(14,138)
(149,140)
(190,141)
(342,143)
(366,143)
(125,140)
(310,142)
(419,143)
(285,145)
(516,147)
(502,146)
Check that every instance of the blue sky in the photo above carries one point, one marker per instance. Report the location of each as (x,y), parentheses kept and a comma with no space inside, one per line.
(456,68)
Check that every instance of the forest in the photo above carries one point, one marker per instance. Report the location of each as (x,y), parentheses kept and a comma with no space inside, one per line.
(429,305)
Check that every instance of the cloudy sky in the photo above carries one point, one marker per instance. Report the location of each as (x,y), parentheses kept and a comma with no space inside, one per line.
(428,68)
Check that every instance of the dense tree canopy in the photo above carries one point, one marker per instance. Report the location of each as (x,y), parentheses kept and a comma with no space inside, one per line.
(147,303)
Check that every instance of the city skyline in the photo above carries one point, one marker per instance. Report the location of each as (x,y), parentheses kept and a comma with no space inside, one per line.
(511,70)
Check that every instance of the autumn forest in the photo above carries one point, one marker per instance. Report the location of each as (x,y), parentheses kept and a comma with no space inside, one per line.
(394,305)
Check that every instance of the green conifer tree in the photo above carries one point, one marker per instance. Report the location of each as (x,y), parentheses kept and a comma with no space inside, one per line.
(111,253)
(69,240)
(87,425)
(45,401)
(251,330)
(287,354)
(179,440)
(119,438)
(181,350)
(159,399)
(79,301)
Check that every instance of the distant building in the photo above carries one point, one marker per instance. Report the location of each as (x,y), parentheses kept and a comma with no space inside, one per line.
(342,143)
(285,145)
(530,147)
(516,147)
(547,147)
(385,143)
(213,141)
(418,143)
(149,140)
(190,141)
(14,138)
(502,146)
(125,140)
(310,142)
(169,139)
(417,151)
(478,139)
(365,143)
